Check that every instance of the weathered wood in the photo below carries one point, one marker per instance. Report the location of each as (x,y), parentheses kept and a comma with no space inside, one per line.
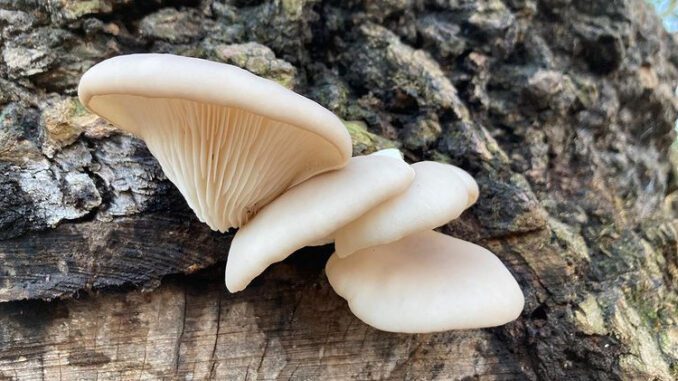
(563,110)
(96,254)
(289,325)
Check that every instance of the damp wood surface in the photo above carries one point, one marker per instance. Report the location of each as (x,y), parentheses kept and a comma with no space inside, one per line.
(564,112)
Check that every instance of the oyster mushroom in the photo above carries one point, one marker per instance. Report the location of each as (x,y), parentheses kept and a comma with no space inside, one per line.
(438,194)
(312,211)
(426,282)
(229,140)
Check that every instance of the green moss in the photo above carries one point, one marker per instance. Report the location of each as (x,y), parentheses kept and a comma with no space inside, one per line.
(586,91)
(421,133)
(643,356)
(76,9)
(673,159)
(572,242)
(589,317)
(293,8)
(440,157)
(79,108)
(365,142)
(260,60)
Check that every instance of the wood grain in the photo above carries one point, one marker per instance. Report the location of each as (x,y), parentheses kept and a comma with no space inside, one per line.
(288,325)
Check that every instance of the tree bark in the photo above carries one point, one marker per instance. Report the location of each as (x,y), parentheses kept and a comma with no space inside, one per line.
(564,112)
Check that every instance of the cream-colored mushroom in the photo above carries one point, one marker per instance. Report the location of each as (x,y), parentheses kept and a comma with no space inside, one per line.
(312,211)
(229,140)
(439,193)
(390,152)
(426,282)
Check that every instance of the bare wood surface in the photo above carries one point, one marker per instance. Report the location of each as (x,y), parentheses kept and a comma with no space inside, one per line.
(290,325)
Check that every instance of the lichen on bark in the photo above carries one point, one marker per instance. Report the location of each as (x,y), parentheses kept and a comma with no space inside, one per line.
(563,111)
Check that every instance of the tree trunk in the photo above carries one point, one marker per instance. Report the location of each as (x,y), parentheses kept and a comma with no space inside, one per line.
(562,110)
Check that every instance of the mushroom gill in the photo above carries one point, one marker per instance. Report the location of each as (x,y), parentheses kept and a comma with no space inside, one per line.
(230,141)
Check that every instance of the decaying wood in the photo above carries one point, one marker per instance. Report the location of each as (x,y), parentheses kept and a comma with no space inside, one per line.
(563,110)
(290,325)
(95,254)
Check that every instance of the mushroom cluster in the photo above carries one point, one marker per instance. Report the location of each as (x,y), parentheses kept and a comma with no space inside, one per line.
(248,153)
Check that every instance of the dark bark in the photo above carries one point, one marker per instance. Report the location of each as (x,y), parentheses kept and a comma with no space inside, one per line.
(563,110)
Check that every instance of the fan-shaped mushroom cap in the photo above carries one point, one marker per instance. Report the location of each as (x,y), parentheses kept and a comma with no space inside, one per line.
(229,140)
(471,185)
(439,193)
(426,282)
(390,152)
(312,211)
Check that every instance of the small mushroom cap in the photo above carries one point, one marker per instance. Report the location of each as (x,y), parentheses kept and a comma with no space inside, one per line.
(310,212)
(439,193)
(426,282)
(229,140)
(471,185)
(391,152)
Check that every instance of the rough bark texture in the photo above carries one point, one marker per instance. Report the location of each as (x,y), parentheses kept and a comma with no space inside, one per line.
(562,109)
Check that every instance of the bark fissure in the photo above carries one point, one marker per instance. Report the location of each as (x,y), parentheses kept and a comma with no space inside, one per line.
(563,112)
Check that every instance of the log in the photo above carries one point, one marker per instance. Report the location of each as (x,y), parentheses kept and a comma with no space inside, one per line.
(564,111)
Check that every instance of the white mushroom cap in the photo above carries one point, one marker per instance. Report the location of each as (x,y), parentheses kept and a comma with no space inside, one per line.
(391,152)
(471,185)
(426,282)
(229,140)
(439,193)
(312,211)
